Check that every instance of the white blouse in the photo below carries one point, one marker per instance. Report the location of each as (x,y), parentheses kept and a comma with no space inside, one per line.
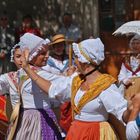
(58,67)
(32,95)
(7,87)
(109,101)
(125,73)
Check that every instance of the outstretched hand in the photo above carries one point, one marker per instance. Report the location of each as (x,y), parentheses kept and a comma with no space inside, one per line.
(25,58)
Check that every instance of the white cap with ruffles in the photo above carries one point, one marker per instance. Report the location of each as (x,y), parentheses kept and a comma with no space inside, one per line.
(92,48)
(33,43)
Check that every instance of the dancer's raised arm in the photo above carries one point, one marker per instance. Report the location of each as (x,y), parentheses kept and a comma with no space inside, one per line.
(41,82)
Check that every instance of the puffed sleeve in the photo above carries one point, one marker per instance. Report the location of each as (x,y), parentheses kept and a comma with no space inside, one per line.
(113,101)
(132,131)
(61,89)
(60,85)
(4,85)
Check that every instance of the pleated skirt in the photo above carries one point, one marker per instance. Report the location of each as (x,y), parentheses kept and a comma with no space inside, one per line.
(37,124)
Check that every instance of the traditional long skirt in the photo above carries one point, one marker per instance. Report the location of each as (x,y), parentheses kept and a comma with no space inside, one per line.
(80,130)
(37,124)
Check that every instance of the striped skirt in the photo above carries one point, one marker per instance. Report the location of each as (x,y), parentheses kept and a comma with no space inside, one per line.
(91,131)
(38,124)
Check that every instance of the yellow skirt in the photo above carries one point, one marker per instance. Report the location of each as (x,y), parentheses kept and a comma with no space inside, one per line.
(107,132)
(80,130)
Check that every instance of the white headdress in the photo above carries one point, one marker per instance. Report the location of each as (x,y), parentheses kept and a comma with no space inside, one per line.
(12,52)
(33,43)
(89,51)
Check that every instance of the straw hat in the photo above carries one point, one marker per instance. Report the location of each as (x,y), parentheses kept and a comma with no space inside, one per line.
(58,39)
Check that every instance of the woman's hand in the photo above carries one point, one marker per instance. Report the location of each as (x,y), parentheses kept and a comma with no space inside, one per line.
(71,70)
(127,82)
(25,59)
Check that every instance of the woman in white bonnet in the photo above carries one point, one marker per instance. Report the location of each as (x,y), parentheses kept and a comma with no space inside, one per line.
(130,67)
(9,81)
(36,119)
(93,94)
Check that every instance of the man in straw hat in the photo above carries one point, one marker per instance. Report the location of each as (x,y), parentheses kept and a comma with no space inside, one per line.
(58,60)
